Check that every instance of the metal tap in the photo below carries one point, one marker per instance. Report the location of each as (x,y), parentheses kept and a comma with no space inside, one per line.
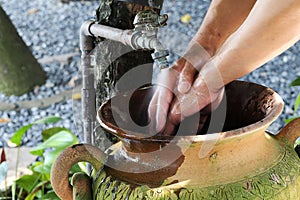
(143,36)
(147,23)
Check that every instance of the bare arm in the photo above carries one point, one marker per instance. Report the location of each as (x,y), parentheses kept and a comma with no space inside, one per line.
(271,27)
(222,19)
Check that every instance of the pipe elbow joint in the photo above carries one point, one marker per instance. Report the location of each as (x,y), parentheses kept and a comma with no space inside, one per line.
(86,37)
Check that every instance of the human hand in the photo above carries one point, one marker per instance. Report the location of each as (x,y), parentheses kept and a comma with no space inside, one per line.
(203,97)
(182,74)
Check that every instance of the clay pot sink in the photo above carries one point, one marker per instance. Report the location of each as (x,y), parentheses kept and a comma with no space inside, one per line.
(246,106)
(231,157)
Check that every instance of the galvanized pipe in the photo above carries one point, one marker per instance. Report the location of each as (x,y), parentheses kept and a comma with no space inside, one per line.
(88,88)
(136,39)
(115,34)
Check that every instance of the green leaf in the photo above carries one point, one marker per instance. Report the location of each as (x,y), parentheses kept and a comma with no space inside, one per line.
(18,135)
(50,119)
(37,191)
(296,82)
(297,103)
(37,152)
(79,167)
(291,119)
(60,140)
(50,196)
(30,196)
(37,167)
(46,134)
(3,171)
(49,157)
(13,190)
(28,182)
(37,163)
(42,169)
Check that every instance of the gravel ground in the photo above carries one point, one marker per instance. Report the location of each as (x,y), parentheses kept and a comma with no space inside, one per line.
(51,28)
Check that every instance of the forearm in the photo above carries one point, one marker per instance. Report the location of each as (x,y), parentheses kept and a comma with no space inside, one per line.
(223,18)
(271,27)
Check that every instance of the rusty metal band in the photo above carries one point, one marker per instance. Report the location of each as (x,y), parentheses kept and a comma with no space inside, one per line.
(151,3)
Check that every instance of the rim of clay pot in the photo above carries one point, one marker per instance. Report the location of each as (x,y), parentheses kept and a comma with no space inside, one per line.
(259,125)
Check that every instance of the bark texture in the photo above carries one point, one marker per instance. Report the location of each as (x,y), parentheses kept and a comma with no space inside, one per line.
(19,70)
(114,59)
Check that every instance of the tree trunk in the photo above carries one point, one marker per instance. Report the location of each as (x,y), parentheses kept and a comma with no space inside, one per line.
(19,70)
(114,61)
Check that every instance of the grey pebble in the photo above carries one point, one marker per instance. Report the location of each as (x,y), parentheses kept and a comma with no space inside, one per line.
(53,30)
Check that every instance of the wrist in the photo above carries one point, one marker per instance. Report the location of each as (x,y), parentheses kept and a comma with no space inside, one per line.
(196,55)
(209,40)
(212,76)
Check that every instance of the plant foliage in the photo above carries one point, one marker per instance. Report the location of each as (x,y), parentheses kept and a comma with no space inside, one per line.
(55,140)
(296,82)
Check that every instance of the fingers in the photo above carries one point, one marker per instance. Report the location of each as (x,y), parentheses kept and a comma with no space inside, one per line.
(175,115)
(163,95)
(181,73)
(186,78)
(191,126)
(169,129)
(194,59)
(199,96)
(167,78)
(158,108)
(215,104)
(187,105)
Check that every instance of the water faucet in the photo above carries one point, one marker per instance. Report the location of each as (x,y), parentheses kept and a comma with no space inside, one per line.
(143,36)
(146,24)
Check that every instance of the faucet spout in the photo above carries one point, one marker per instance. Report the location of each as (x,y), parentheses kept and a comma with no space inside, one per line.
(147,23)
(160,55)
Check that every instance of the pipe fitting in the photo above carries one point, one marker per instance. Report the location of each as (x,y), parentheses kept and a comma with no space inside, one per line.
(144,36)
(161,57)
(86,37)
(147,23)
(142,41)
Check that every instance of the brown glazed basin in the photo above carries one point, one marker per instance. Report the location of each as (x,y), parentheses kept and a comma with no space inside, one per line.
(232,157)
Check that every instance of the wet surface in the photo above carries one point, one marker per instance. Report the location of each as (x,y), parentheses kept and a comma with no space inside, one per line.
(144,157)
(147,171)
(243,104)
